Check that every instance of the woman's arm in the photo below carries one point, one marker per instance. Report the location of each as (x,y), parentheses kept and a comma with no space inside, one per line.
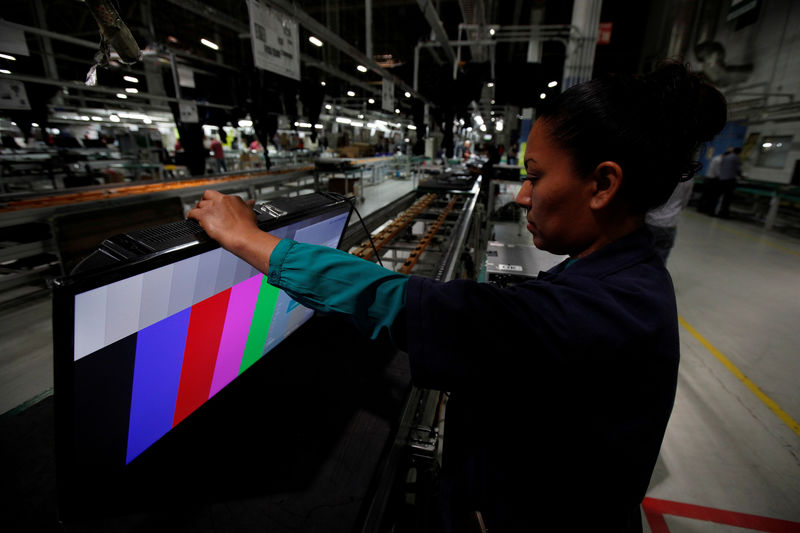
(232,223)
(318,277)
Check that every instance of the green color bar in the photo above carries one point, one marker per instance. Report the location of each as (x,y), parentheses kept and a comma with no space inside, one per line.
(262,317)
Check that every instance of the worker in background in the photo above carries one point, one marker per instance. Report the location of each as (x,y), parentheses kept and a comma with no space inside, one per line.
(560,387)
(730,169)
(219,155)
(710,196)
(663,220)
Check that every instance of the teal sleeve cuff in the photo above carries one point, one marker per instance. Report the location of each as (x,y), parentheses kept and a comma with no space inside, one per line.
(333,281)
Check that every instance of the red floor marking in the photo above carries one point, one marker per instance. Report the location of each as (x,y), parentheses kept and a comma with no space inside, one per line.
(655,509)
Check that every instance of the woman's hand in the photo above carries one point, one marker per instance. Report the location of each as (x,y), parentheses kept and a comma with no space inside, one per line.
(232,223)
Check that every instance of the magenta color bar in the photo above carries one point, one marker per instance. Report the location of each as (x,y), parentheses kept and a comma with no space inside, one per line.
(234,334)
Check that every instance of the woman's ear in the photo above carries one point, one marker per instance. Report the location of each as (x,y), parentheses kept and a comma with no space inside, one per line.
(607,178)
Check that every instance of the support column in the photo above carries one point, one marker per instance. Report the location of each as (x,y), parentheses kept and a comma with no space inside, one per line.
(580,50)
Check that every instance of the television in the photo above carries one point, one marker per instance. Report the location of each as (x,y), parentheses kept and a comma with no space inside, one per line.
(150,329)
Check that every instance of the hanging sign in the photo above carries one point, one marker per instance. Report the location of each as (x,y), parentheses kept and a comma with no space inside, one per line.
(13,95)
(387,95)
(188,112)
(12,40)
(275,38)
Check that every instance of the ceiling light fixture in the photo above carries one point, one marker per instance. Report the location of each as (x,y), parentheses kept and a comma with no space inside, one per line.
(397,111)
(113,118)
(371,101)
(206,42)
(244,123)
(132,90)
(542,96)
(122,96)
(6,56)
(315,41)
(408,94)
(97,119)
(351,93)
(552,84)
(130,79)
(323,83)
(328,107)
(490,84)
(361,68)
(4,71)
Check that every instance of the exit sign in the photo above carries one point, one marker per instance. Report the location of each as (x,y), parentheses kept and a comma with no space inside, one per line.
(604,34)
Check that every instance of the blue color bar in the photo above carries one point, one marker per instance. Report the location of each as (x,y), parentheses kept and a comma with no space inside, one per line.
(156,375)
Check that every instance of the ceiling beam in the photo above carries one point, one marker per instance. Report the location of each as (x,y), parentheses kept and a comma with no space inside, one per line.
(322,31)
(432,17)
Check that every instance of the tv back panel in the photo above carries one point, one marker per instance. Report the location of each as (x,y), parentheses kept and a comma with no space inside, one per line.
(152,326)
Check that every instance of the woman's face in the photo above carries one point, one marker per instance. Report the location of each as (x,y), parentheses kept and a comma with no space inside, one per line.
(555,197)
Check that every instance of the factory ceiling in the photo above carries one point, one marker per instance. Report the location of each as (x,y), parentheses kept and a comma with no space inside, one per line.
(169,32)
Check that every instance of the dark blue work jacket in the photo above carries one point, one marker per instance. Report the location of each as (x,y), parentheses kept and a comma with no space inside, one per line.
(561,388)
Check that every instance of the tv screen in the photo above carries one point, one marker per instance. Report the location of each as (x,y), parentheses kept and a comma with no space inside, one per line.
(142,345)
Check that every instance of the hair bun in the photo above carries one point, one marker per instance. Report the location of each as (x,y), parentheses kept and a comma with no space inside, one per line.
(688,100)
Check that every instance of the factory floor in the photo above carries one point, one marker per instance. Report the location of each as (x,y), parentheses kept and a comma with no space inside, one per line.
(730,461)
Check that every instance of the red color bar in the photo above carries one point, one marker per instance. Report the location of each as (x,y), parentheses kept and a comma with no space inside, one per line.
(200,356)
(759,523)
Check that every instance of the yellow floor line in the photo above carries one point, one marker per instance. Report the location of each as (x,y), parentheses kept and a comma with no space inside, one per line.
(769,402)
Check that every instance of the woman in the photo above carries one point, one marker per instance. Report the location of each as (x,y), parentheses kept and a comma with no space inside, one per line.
(561,387)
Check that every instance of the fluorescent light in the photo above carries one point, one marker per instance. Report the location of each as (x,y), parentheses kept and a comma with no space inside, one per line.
(357,124)
(85,118)
(315,41)
(4,71)
(97,119)
(318,126)
(244,123)
(132,90)
(361,68)
(542,96)
(130,79)
(408,94)
(351,93)
(412,127)
(34,124)
(552,84)
(147,120)
(371,101)
(55,131)
(213,46)
(328,107)
(343,120)
(303,124)
(113,118)
(490,84)
(6,56)
(122,96)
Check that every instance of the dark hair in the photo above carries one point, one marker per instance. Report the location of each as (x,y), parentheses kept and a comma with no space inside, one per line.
(651,125)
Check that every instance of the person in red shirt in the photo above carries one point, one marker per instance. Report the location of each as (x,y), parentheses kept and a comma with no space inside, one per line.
(219,155)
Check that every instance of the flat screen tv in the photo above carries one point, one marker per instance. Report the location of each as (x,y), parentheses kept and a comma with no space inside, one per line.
(147,336)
